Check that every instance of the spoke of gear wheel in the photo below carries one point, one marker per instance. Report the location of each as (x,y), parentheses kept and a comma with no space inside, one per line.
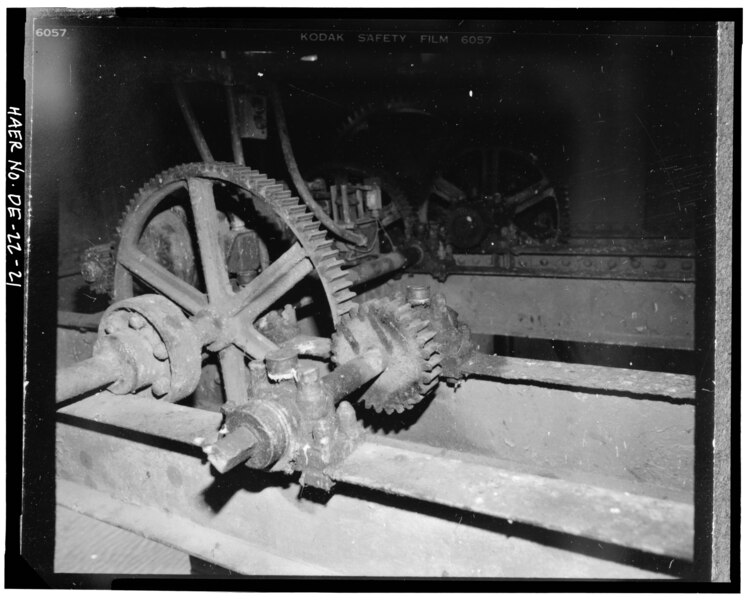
(413,361)
(271,199)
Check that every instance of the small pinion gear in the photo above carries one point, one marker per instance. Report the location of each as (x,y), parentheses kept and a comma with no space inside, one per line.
(407,341)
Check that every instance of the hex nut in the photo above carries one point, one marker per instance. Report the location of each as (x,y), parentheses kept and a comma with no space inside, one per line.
(161,387)
(137,321)
(160,351)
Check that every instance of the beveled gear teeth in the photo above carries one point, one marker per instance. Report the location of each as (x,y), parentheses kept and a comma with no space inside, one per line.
(427,388)
(418,325)
(408,343)
(425,336)
(432,362)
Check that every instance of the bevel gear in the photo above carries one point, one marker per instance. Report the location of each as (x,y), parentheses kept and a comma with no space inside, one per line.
(413,361)
(272,200)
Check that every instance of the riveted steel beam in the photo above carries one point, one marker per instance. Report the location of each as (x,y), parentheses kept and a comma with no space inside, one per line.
(655,314)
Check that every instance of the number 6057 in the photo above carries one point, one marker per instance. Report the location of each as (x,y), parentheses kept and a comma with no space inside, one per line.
(50,32)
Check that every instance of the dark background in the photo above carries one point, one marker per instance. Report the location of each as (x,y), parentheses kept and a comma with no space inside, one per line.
(105,120)
(620,112)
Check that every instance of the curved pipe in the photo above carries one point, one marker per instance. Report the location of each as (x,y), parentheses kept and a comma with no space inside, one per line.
(299,182)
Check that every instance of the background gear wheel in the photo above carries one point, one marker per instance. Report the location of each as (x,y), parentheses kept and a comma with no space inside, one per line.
(414,364)
(360,118)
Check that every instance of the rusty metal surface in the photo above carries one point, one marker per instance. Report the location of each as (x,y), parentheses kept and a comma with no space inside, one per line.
(620,381)
(628,259)
(157,419)
(640,443)
(192,123)
(155,524)
(635,313)
(378,267)
(131,485)
(645,523)
(406,340)
(86,545)
(76,320)
(88,375)
(650,524)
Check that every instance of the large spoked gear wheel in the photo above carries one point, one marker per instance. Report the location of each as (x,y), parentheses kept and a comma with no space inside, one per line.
(156,229)
(413,361)
(133,251)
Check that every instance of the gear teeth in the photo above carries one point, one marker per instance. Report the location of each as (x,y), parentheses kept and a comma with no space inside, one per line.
(407,339)
(272,190)
(275,202)
(427,388)
(425,336)
(304,218)
(344,295)
(326,255)
(332,264)
(343,308)
(418,325)
(333,273)
(338,286)
(432,362)
(428,377)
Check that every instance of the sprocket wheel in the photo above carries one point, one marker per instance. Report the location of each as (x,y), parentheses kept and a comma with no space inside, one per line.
(413,362)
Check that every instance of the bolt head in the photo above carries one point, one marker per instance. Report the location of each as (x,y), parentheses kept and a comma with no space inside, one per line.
(137,321)
(160,351)
(91,272)
(161,387)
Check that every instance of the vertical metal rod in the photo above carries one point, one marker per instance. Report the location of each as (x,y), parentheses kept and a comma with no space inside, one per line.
(360,203)
(238,157)
(335,208)
(345,206)
(193,124)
